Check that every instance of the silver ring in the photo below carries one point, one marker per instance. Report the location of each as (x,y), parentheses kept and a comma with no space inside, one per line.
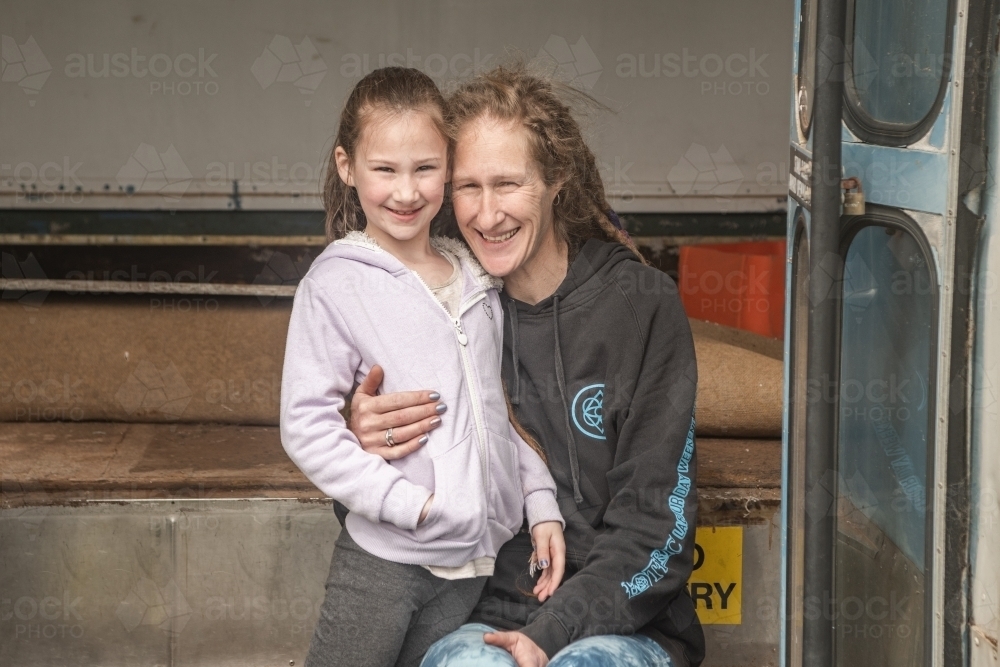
(388,438)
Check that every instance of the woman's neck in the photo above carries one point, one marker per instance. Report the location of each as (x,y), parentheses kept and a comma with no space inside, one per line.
(540,276)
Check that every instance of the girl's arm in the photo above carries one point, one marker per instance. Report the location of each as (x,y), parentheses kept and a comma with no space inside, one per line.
(320,362)
(544,519)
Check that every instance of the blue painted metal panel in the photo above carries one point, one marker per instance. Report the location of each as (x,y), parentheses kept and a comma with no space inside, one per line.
(899,177)
(939,130)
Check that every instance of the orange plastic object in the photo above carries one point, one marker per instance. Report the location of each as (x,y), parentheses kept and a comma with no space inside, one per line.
(739,285)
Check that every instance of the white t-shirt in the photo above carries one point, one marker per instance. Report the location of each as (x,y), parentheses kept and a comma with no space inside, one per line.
(449,293)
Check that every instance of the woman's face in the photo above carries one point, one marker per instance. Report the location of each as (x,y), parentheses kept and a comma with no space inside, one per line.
(502,204)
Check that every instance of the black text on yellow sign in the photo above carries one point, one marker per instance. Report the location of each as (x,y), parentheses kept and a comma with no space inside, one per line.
(716,583)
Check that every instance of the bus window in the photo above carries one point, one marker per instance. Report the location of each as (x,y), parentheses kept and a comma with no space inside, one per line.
(884,447)
(897,67)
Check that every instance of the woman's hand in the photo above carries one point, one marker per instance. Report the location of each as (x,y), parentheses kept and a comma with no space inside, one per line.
(525,652)
(410,415)
(550,551)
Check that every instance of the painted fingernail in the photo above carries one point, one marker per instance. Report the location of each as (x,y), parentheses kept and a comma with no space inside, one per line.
(436,421)
(435,396)
(543,563)
(423,440)
(441,407)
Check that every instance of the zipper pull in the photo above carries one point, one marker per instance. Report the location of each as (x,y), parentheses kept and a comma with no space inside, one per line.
(462,338)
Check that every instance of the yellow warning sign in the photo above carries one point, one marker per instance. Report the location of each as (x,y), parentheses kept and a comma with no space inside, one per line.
(716,584)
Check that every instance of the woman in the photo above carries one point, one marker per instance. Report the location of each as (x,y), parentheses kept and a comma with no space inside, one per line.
(599,364)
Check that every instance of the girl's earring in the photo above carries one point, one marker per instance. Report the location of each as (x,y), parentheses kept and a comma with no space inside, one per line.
(556,201)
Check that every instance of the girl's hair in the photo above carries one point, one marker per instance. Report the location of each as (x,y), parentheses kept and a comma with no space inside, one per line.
(392,90)
(510,93)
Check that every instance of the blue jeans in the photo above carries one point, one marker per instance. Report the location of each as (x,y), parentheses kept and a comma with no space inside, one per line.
(465,648)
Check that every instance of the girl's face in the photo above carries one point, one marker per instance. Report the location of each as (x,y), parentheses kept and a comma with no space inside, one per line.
(400,169)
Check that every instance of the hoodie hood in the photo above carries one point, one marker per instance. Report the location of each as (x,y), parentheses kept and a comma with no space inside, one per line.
(589,273)
(360,247)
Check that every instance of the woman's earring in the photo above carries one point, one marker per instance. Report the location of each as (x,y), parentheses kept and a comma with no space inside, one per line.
(556,201)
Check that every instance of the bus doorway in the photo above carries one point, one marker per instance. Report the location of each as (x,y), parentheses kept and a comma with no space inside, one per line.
(875,445)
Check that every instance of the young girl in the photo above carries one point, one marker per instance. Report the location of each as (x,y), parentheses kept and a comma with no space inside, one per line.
(423,531)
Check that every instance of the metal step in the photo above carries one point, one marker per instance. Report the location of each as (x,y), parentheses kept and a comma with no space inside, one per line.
(202,545)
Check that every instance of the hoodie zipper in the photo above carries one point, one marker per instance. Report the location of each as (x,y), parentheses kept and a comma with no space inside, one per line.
(463,342)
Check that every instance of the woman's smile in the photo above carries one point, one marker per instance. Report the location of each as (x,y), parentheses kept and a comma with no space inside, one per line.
(500,238)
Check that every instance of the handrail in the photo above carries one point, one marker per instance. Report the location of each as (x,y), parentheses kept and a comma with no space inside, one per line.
(825,271)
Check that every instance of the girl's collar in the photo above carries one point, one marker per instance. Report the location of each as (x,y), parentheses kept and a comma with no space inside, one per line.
(453,246)
(465,257)
(360,238)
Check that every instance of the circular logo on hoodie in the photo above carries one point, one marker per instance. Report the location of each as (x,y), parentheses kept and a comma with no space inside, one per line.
(588,411)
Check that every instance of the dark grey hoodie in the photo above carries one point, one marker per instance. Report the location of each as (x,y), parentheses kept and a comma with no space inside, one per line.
(603,374)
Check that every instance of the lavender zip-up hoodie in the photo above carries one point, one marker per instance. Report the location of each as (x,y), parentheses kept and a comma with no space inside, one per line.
(359,306)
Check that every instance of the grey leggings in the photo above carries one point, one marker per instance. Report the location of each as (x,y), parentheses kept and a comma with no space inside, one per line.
(383,614)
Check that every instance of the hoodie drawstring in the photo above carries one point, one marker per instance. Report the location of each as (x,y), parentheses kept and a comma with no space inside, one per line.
(574,461)
(515,395)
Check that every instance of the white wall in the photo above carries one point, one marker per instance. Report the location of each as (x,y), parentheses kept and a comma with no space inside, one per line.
(77,127)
